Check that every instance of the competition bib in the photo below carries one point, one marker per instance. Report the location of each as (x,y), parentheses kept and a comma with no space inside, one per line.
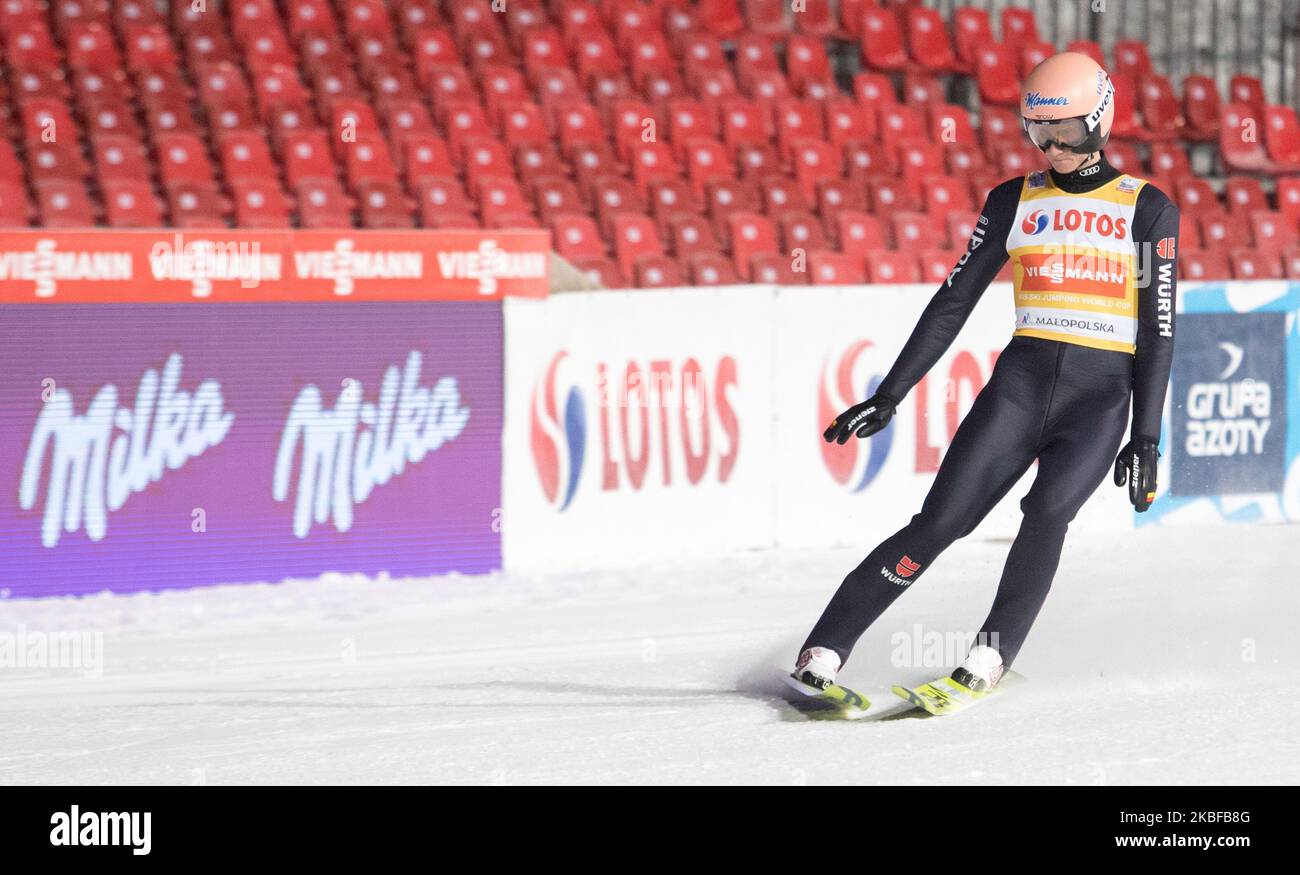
(1074,263)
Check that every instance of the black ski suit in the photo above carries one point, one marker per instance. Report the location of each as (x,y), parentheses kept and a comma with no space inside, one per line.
(1062,403)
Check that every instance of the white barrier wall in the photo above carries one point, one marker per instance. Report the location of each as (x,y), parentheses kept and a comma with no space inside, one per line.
(652,424)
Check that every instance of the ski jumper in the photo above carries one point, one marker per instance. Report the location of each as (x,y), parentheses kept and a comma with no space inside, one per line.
(1093,255)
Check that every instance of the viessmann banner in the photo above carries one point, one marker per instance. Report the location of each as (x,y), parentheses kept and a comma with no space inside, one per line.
(268,266)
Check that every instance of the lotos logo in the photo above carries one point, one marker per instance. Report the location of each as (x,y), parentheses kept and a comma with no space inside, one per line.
(906,566)
(1034,223)
(656,423)
(1071,220)
(558,445)
(856,463)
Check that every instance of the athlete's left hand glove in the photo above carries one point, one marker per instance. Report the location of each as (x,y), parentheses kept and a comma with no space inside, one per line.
(1136,464)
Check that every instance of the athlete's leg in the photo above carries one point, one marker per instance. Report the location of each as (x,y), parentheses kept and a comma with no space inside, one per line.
(1079,455)
(991,450)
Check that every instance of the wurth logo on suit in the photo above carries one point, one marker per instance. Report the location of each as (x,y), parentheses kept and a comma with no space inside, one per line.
(905,568)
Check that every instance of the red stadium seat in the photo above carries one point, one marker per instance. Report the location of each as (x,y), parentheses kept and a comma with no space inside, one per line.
(814,162)
(64,203)
(555,195)
(836,268)
(836,195)
(936,264)
(874,90)
(1201,108)
(1033,53)
(1241,140)
(1252,264)
(781,195)
(260,203)
(971,32)
(859,231)
(1244,194)
(1159,107)
(1201,266)
(601,271)
(1195,196)
(323,204)
(749,234)
(1282,137)
(801,230)
(383,205)
(673,197)
(1249,92)
(1291,262)
(1221,231)
(928,43)
(1170,161)
(1288,198)
(996,75)
(1131,59)
(882,41)
(691,234)
(776,269)
(576,236)
(712,269)
(131,204)
(893,267)
(658,271)
(1272,231)
(1019,26)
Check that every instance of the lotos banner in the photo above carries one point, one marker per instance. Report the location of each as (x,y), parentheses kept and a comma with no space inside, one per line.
(168,266)
(638,426)
(154,446)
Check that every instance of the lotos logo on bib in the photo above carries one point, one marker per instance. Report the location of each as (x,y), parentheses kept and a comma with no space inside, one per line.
(1034,223)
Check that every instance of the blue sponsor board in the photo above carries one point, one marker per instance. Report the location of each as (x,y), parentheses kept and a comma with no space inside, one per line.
(1195,490)
(1228,406)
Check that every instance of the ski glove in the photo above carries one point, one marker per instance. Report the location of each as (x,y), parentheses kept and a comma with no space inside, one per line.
(864,419)
(1136,464)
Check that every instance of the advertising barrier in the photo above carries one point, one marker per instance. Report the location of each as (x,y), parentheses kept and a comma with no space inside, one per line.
(638,426)
(801,356)
(1231,443)
(153,446)
(244,266)
(179,409)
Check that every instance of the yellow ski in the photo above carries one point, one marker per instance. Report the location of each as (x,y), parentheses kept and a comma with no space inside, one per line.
(834,702)
(946,696)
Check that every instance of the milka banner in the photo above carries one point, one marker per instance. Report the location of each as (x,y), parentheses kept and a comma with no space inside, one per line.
(154,446)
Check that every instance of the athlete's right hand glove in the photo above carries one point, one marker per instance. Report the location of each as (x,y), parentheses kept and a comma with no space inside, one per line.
(1136,464)
(864,419)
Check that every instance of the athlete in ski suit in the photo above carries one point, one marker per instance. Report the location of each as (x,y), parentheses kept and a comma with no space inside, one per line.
(1093,254)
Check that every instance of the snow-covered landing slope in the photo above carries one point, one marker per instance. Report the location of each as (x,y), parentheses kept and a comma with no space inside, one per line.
(1162,656)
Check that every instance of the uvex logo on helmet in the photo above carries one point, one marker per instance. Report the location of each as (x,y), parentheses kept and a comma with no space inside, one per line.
(1034,223)
(557,432)
(846,380)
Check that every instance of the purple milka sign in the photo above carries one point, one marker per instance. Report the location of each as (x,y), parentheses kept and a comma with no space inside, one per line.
(171,445)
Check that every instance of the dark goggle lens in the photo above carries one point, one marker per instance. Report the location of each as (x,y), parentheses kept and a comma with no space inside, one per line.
(1068,133)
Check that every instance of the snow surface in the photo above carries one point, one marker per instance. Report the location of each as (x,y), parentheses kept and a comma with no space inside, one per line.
(1164,655)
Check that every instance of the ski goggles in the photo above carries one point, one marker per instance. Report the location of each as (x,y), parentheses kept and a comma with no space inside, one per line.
(1071,134)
